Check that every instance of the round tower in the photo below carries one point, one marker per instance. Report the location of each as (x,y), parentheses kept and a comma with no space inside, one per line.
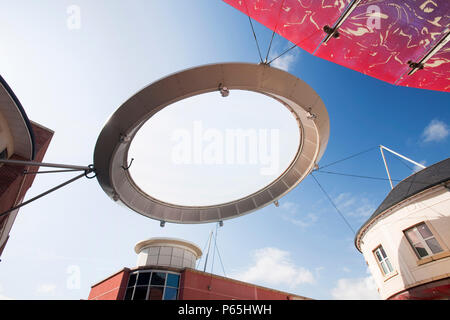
(167,252)
(406,241)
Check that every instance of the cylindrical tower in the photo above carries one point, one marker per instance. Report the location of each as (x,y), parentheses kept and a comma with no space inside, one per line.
(406,241)
(167,252)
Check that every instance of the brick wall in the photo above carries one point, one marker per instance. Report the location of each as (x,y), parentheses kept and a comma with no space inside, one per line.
(197,285)
(112,288)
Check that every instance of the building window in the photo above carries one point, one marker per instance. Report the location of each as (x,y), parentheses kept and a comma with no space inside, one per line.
(422,240)
(383,261)
(152,285)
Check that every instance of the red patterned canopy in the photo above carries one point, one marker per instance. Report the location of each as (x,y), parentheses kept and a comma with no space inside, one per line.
(403,42)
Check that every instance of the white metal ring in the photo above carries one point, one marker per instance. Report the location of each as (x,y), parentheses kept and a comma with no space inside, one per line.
(111,150)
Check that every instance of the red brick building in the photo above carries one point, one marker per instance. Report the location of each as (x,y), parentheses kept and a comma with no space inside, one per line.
(166,271)
(20,139)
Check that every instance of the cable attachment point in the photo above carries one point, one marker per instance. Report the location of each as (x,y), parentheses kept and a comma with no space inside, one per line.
(128,167)
(115,197)
(310,115)
(90,170)
(124,138)
(224,91)
(331,31)
(415,65)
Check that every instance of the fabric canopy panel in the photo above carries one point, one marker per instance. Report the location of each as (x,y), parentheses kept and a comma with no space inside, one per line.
(435,75)
(380,38)
(299,21)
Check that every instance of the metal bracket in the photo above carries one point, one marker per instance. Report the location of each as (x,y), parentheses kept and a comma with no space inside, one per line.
(333,32)
(310,115)
(124,138)
(224,91)
(128,167)
(415,66)
(87,170)
(398,155)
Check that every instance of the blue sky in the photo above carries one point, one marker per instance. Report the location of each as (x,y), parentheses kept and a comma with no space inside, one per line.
(72,80)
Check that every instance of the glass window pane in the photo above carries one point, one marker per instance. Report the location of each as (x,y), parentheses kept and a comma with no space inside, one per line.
(388,263)
(158,278)
(140,293)
(129,293)
(424,231)
(412,236)
(172,280)
(132,280)
(383,266)
(156,293)
(143,279)
(377,253)
(170,294)
(421,251)
(434,245)
(382,252)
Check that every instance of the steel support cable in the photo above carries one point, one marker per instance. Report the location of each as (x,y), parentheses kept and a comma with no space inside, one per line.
(286,51)
(220,259)
(52,171)
(363,177)
(43,194)
(270,45)
(214,249)
(334,205)
(350,157)
(295,45)
(403,162)
(273,33)
(254,34)
(200,260)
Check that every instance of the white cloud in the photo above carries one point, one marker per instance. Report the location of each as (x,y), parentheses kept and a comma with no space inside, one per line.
(355,289)
(435,131)
(355,206)
(285,62)
(274,267)
(46,289)
(290,212)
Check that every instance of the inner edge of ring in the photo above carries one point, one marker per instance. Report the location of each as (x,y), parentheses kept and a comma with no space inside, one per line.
(280,177)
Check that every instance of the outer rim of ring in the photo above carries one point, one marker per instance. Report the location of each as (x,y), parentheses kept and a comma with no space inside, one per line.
(111,150)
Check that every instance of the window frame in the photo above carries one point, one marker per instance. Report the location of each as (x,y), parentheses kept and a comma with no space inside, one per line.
(422,240)
(149,285)
(380,263)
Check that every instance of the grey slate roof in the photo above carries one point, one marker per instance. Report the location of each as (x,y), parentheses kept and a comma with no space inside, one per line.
(424,179)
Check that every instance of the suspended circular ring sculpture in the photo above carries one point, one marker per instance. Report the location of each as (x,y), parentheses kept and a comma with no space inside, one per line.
(111,150)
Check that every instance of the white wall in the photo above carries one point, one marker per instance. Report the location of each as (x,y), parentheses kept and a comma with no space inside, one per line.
(431,207)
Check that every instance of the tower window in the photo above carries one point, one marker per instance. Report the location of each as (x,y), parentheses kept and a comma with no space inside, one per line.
(383,261)
(422,240)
